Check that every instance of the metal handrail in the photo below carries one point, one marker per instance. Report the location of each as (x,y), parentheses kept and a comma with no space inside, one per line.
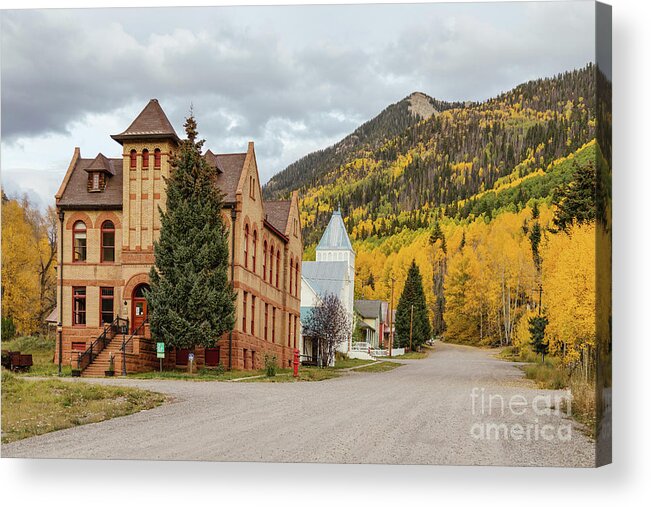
(88,356)
(123,348)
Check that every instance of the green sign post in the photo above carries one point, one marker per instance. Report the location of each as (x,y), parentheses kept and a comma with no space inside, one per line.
(160,353)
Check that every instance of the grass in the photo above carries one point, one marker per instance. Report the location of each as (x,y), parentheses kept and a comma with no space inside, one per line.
(553,375)
(34,407)
(414,355)
(305,374)
(346,362)
(203,374)
(42,351)
(378,367)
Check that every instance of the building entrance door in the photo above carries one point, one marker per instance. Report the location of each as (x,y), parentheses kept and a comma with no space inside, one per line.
(139,307)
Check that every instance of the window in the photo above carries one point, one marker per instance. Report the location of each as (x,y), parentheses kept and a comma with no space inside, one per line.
(79,241)
(291,275)
(266,321)
(273,325)
(253,359)
(157,158)
(108,242)
(296,278)
(244,300)
(79,306)
(106,305)
(295,329)
(244,354)
(78,346)
(253,315)
(255,249)
(289,328)
(94,185)
(212,356)
(251,187)
(246,246)
(271,265)
(133,159)
(264,261)
(145,158)
(278,268)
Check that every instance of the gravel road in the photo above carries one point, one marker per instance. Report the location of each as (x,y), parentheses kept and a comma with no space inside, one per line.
(459,406)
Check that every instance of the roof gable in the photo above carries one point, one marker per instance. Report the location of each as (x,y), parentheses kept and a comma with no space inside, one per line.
(277,214)
(100,163)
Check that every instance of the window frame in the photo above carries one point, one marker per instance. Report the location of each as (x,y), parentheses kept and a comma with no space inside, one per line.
(78,230)
(265,251)
(246,246)
(254,253)
(244,303)
(278,268)
(75,313)
(145,159)
(105,229)
(157,158)
(253,298)
(102,298)
(133,159)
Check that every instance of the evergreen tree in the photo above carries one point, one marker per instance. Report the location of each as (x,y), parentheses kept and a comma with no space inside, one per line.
(537,327)
(412,295)
(191,301)
(576,202)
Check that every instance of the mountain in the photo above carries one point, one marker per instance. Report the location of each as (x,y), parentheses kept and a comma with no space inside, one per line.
(394,120)
(423,159)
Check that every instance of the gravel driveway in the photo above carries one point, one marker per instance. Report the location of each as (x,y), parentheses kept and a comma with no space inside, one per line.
(450,408)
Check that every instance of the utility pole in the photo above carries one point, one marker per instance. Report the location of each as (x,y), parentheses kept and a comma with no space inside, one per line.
(391,318)
(539,298)
(411,327)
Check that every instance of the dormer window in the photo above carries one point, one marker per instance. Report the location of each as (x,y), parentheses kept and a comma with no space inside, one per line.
(94,184)
(145,159)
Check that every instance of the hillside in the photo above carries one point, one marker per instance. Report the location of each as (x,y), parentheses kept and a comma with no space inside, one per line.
(312,169)
(400,170)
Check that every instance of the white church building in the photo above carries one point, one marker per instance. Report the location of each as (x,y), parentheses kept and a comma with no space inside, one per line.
(333,272)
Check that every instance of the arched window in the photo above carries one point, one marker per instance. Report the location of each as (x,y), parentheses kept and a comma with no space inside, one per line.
(296,280)
(264,261)
(145,158)
(79,241)
(246,246)
(271,265)
(108,242)
(278,268)
(157,158)
(255,250)
(133,160)
(291,276)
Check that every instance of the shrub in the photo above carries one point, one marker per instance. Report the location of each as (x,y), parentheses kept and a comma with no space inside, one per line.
(8,328)
(270,365)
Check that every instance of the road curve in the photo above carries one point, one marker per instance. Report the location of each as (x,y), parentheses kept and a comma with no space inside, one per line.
(459,406)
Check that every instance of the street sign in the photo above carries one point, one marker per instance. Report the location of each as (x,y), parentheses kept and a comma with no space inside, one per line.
(160,350)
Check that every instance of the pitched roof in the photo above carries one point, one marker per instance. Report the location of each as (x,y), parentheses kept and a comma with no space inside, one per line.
(53,315)
(100,163)
(229,169)
(152,122)
(368,308)
(277,213)
(325,277)
(335,236)
(76,193)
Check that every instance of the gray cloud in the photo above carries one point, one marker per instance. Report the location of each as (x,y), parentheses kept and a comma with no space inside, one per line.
(293,79)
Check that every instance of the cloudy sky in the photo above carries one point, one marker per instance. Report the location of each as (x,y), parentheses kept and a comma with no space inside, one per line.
(293,79)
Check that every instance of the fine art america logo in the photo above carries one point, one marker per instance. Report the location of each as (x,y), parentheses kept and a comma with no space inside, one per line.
(516,417)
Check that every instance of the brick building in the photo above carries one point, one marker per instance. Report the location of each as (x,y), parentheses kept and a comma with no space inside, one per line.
(108,208)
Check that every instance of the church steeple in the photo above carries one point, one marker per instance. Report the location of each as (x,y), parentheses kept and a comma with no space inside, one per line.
(335,237)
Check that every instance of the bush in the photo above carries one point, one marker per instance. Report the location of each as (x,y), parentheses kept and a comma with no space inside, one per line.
(8,328)
(270,365)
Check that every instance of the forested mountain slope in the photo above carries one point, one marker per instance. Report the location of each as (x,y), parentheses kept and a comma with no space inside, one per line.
(396,171)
